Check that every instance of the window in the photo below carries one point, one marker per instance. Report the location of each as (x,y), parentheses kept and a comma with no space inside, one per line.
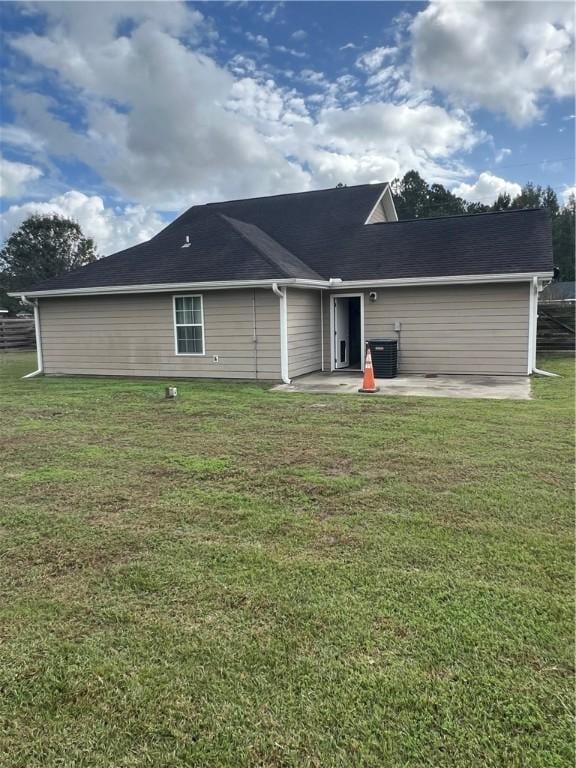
(189,325)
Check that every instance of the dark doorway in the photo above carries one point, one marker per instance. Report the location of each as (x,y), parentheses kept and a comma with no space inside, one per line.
(347,332)
(355,333)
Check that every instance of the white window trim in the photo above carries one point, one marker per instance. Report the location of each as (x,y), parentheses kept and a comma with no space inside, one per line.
(334,296)
(181,325)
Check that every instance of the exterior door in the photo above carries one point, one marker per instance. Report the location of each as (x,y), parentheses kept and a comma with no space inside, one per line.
(341,332)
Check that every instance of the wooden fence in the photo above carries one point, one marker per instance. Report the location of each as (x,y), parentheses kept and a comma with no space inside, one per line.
(17,333)
(556,325)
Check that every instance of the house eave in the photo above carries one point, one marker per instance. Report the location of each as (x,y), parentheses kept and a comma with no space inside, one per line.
(332,284)
(215,285)
(505,277)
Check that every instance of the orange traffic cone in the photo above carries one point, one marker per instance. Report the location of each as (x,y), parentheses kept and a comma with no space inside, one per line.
(368,382)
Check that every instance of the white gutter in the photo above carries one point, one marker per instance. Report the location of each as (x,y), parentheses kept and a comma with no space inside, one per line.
(39,358)
(505,277)
(281,293)
(334,282)
(214,285)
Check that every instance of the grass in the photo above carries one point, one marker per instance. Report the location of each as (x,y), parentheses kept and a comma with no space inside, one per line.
(245,578)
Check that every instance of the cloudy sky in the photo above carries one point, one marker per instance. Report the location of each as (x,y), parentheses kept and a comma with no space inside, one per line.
(121,114)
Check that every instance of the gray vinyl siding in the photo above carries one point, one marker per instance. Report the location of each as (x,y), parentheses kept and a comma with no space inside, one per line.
(304,332)
(133,335)
(450,329)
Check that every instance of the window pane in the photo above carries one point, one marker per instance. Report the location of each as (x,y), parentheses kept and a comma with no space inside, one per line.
(188,310)
(189,340)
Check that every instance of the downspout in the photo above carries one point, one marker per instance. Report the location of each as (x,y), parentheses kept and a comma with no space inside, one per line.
(255,332)
(532,346)
(322,329)
(39,358)
(281,293)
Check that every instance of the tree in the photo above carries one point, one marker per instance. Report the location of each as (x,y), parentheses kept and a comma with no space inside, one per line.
(442,202)
(43,247)
(563,238)
(535,196)
(415,199)
(411,196)
(503,202)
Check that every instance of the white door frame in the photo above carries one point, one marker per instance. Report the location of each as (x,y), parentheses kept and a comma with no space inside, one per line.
(333,326)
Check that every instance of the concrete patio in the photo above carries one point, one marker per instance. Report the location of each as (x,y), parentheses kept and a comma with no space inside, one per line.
(480,387)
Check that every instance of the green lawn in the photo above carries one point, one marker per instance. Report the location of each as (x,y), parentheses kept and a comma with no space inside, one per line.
(244,578)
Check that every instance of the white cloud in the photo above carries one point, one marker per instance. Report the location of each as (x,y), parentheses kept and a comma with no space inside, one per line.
(348,46)
(381,77)
(300,34)
(270,10)
(313,77)
(372,60)
(159,128)
(167,127)
(16,136)
(15,176)
(502,154)
(499,55)
(111,229)
(487,188)
(567,194)
(291,51)
(376,142)
(259,40)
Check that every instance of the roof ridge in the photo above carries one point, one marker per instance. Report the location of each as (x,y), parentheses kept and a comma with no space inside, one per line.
(292,194)
(457,216)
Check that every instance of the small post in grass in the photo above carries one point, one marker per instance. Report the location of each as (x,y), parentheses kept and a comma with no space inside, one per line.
(171,393)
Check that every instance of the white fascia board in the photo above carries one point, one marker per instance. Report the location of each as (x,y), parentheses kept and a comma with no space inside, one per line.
(517,277)
(332,284)
(169,287)
(388,194)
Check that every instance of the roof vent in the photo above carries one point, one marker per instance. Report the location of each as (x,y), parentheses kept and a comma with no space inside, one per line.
(187,242)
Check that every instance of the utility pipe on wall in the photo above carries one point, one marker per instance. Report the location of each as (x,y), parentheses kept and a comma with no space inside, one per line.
(281,293)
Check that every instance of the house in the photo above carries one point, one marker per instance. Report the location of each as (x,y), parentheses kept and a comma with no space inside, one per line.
(277,287)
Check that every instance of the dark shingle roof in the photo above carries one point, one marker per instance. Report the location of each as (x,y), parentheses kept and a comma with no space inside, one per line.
(287,264)
(319,235)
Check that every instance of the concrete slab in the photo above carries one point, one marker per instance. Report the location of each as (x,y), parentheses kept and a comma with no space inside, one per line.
(481,387)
